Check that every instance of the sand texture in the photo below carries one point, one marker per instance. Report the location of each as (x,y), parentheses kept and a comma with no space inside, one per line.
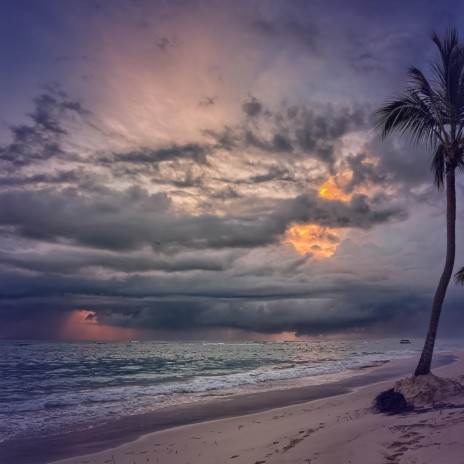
(427,391)
(337,430)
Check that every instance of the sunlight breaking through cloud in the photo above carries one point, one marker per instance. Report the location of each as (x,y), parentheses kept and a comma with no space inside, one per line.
(321,242)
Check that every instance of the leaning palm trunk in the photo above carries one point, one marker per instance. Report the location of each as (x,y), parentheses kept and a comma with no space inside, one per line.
(425,361)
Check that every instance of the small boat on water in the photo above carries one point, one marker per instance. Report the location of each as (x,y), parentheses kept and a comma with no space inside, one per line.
(405,341)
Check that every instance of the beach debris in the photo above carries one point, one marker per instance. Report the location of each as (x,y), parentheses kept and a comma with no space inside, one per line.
(391,402)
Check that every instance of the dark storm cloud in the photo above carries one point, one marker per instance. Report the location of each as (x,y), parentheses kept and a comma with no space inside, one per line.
(363,172)
(228,138)
(389,164)
(80,239)
(337,307)
(42,140)
(65,177)
(161,315)
(53,106)
(406,165)
(133,218)
(281,143)
(278,143)
(275,173)
(355,213)
(317,132)
(191,151)
(146,288)
(98,221)
(226,193)
(148,303)
(68,261)
(299,130)
(334,309)
(30,145)
(253,107)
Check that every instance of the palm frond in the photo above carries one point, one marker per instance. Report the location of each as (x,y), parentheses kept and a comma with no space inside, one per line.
(429,111)
(450,39)
(421,84)
(460,160)
(410,116)
(448,72)
(459,276)
(446,46)
(438,166)
(460,95)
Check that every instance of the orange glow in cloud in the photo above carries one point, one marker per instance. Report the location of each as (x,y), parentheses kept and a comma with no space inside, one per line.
(311,238)
(84,325)
(331,188)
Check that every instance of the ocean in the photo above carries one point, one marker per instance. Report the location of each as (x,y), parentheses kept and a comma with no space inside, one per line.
(51,388)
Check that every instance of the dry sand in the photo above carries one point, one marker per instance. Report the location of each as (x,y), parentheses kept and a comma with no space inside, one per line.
(337,430)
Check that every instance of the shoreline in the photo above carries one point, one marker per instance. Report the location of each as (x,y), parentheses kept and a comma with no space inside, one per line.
(131,428)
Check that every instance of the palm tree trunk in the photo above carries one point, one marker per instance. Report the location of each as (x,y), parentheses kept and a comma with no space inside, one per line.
(425,361)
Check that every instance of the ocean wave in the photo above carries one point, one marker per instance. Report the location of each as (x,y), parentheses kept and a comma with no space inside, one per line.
(81,384)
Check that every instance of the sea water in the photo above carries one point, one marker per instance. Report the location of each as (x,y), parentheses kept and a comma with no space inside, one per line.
(49,388)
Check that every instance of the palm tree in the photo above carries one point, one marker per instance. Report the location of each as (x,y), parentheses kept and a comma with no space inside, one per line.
(459,276)
(429,112)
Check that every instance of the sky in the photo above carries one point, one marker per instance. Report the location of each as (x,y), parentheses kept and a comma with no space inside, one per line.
(208,169)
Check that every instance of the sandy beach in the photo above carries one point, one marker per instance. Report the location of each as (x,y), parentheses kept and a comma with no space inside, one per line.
(339,429)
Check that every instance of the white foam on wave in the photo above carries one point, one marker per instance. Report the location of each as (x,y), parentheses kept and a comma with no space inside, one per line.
(61,411)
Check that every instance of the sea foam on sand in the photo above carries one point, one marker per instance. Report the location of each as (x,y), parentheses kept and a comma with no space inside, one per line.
(338,430)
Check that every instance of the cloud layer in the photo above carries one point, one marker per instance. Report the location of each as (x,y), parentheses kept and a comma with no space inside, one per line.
(162,184)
